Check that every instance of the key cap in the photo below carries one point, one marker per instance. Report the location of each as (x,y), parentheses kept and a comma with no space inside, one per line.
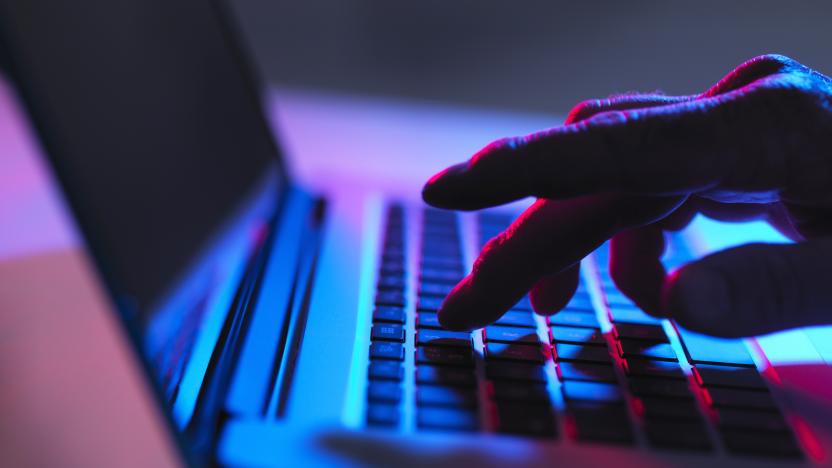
(496,370)
(392,269)
(645,386)
(517,318)
(429,303)
(591,391)
(646,349)
(680,435)
(729,376)
(523,304)
(456,397)
(382,415)
(386,370)
(580,302)
(429,417)
(449,260)
(522,391)
(526,419)
(384,391)
(443,338)
(586,371)
(735,398)
(652,368)
(435,289)
(387,332)
(510,335)
(631,315)
(448,376)
(389,314)
(435,275)
(668,408)
(427,320)
(733,418)
(387,350)
(638,331)
(616,299)
(444,355)
(388,298)
(600,422)
(570,352)
(756,443)
(514,352)
(572,319)
(708,350)
(392,282)
(580,336)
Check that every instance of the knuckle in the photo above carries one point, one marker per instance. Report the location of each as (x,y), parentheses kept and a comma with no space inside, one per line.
(584,109)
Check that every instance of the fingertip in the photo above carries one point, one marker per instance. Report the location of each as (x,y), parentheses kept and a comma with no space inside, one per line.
(699,298)
(551,294)
(441,190)
(458,311)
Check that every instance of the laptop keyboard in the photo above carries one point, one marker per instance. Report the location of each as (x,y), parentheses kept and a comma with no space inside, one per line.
(599,371)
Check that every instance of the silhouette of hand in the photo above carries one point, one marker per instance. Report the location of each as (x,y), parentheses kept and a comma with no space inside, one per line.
(758,144)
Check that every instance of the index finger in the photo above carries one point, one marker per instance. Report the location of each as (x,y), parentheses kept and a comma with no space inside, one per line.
(667,150)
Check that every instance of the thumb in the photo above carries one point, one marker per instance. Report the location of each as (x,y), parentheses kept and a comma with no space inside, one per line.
(753,289)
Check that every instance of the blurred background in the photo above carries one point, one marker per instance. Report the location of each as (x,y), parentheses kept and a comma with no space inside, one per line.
(532,55)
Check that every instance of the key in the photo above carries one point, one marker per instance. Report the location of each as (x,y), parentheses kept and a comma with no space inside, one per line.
(429,303)
(572,319)
(387,332)
(757,443)
(436,275)
(668,408)
(733,418)
(646,349)
(517,318)
(510,335)
(631,315)
(600,422)
(637,331)
(683,435)
(386,350)
(382,414)
(427,320)
(435,289)
(523,304)
(616,299)
(384,391)
(570,352)
(392,282)
(448,376)
(729,397)
(514,352)
(386,370)
(586,371)
(580,336)
(580,302)
(652,368)
(456,397)
(729,376)
(443,338)
(645,386)
(389,314)
(708,350)
(591,391)
(522,391)
(388,298)
(526,419)
(447,419)
(392,269)
(496,370)
(444,355)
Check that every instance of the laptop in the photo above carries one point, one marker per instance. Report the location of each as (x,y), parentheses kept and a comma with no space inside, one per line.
(256,323)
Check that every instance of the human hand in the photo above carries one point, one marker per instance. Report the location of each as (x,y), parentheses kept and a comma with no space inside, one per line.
(758,144)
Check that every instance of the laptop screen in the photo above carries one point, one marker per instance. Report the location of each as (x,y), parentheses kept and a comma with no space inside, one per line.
(156,133)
